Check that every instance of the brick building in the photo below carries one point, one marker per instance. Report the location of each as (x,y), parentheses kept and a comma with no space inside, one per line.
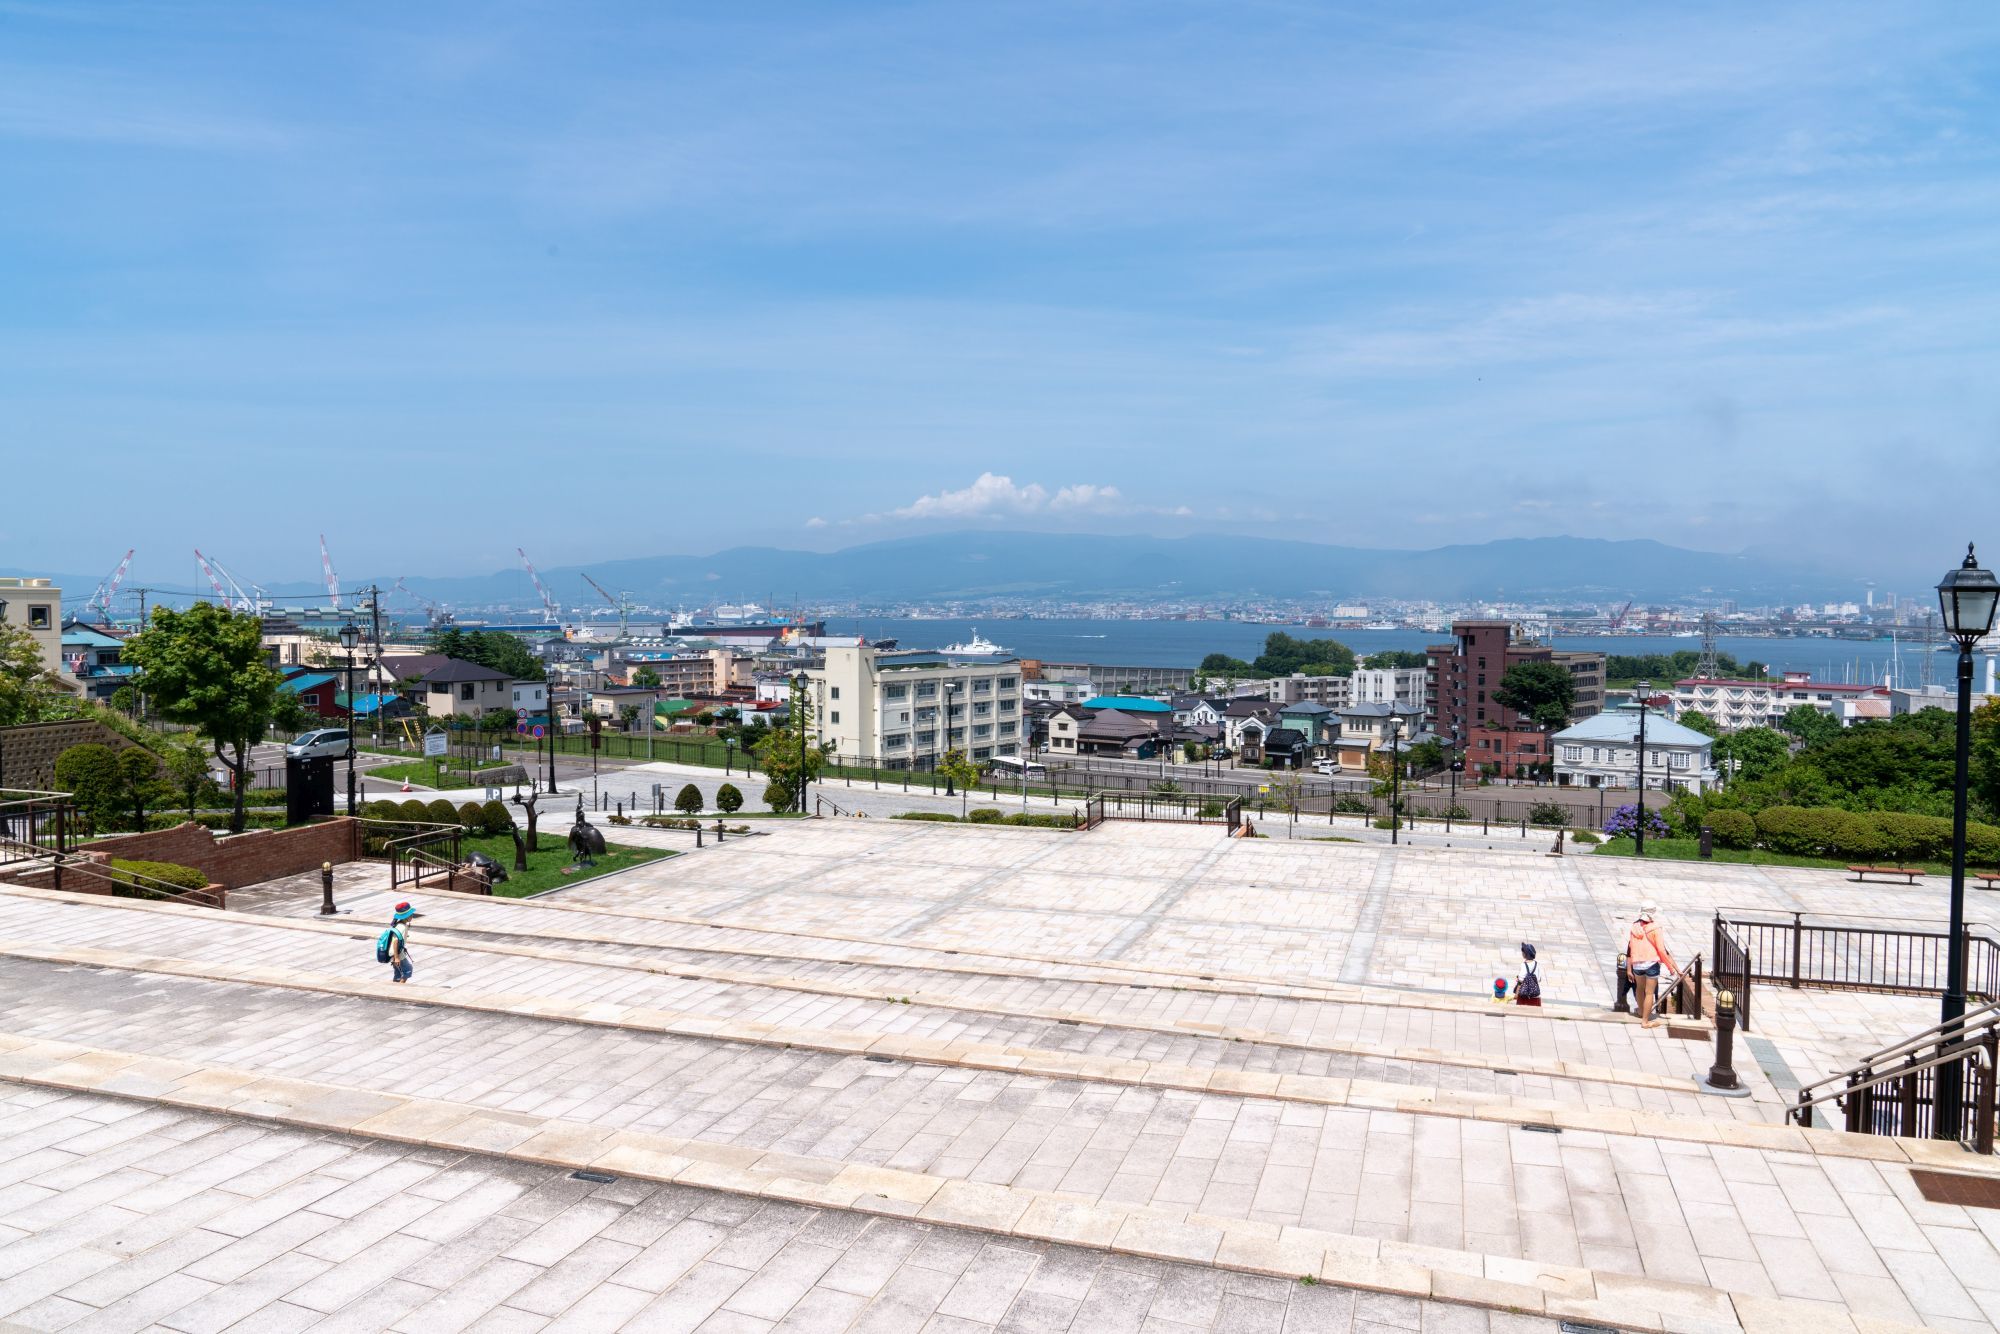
(1463,675)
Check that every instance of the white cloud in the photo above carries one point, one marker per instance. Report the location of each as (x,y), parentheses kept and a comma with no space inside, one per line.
(992,496)
(815,522)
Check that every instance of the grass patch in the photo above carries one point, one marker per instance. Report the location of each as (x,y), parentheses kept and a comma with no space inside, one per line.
(1689,850)
(545,867)
(427,772)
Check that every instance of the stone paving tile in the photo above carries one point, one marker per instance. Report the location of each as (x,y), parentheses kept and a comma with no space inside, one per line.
(835,1269)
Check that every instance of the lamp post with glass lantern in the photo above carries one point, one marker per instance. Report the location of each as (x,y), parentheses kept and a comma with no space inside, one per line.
(350,636)
(1967,597)
(1395,775)
(801,681)
(1639,815)
(950,688)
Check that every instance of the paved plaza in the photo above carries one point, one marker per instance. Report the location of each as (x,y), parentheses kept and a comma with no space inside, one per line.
(865,1074)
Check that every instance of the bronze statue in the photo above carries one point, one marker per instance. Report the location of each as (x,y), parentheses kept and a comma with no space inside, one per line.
(585,840)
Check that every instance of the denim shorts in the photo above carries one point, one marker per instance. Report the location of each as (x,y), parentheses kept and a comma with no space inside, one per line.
(1646,969)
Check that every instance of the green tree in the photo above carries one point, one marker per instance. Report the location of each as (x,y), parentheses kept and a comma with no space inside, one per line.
(959,769)
(628,716)
(790,762)
(728,799)
(90,774)
(186,766)
(647,677)
(1284,655)
(1986,755)
(1753,754)
(1221,664)
(29,691)
(1541,692)
(205,667)
(139,775)
(1809,725)
(1697,721)
(1399,657)
(688,800)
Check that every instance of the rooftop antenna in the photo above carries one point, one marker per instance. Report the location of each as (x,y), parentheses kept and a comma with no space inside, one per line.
(1708,669)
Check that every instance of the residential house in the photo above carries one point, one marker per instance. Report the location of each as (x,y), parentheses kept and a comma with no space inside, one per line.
(531,699)
(1286,748)
(460,689)
(91,655)
(1245,723)
(1604,752)
(316,691)
(1076,730)
(1317,724)
(1365,729)
(1299,687)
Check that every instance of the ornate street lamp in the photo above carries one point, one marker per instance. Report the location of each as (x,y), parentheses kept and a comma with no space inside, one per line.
(350,636)
(1967,597)
(1395,775)
(1639,816)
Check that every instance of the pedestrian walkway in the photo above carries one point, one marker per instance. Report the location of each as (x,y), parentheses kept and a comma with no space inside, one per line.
(1047,1039)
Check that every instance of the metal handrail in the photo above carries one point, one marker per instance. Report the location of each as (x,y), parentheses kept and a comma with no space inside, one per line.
(77,863)
(1979,1020)
(1957,1051)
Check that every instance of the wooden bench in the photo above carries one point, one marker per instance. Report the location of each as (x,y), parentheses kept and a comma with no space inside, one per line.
(1863,872)
(1987,879)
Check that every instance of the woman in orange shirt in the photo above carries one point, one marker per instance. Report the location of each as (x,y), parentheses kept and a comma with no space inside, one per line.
(1646,954)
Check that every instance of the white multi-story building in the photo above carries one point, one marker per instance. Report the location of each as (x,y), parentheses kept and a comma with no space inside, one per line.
(1390,685)
(1733,705)
(1603,751)
(35,605)
(904,710)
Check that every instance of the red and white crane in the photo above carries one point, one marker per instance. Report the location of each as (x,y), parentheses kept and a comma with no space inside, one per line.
(108,590)
(233,598)
(332,579)
(548,599)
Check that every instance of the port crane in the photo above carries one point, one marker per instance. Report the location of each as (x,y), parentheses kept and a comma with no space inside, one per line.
(332,579)
(549,606)
(108,588)
(234,598)
(622,603)
(1618,617)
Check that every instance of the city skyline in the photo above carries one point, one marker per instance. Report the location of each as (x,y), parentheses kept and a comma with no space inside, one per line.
(814,279)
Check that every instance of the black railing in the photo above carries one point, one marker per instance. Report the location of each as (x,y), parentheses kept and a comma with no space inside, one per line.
(1835,953)
(34,824)
(1894,1091)
(1730,963)
(429,854)
(1162,808)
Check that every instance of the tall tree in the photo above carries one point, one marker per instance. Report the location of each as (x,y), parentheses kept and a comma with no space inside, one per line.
(646,677)
(790,762)
(1283,654)
(1809,725)
(1542,692)
(1697,721)
(205,667)
(1753,754)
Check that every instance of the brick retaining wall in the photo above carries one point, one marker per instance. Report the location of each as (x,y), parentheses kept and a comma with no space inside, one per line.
(236,860)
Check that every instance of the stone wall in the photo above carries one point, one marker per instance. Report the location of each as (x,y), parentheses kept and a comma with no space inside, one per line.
(236,860)
(28,753)
(82,880)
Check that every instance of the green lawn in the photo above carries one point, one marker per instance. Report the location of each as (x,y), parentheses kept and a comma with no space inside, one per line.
(545,867)
(1689,850)
(429,773)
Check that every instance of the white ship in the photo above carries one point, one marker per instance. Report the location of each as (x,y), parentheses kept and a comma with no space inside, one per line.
(976,644)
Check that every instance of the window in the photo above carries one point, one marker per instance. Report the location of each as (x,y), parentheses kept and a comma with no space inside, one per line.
(982,752)
(895,741)
(1008,683)
(38,616)
(1007,706)
(903,717)
(1574,754)
(927,738)
(1006,729)
(1482,678)
(834,718)
(895,692)
(983,707)
(982,729)
(926,690)
(836,692)
(983,686)
(927,715)
(955,710)
(465,691)
(1680,759)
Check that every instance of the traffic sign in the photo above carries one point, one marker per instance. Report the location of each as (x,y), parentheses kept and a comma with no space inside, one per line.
(539,732)
(435,743)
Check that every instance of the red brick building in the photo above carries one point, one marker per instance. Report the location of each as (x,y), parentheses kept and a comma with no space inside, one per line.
(1463,676)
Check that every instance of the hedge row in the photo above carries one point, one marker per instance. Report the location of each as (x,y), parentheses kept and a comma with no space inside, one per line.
(1828,831)
(993,815)
(135,879)
(475,817)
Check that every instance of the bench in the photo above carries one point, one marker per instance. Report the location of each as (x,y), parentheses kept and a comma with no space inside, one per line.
(1863,872)
(1987,879)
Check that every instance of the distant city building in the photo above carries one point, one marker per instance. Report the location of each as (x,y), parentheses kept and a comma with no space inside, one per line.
(905,709)
(1733,704)
(1604,752)
(1054,692)
(1333,691)
(466,689)
(1463,675)
(1915,699)
(1390,685)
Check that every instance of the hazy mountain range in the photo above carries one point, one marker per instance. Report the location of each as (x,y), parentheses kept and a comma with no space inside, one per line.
(971,566)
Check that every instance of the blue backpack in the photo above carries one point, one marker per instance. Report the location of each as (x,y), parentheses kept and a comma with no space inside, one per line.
(382,945)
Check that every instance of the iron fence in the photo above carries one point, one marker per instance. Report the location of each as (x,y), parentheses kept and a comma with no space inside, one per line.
(34,824)
(415,858)
(1143,807)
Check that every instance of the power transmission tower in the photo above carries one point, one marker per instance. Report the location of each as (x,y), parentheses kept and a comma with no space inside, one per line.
(1708,668)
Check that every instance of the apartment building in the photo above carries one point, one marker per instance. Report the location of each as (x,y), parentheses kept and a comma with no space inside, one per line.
(1736,704)
(905,709)
(1462,676)
(696,674)
(1408,686)
(35,605)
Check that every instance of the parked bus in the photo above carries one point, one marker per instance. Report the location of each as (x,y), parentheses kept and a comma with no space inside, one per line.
(1012,766)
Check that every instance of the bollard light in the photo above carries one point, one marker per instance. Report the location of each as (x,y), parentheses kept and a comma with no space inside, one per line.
(326,908)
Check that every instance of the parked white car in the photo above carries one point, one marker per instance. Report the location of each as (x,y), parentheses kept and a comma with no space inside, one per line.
(326,743)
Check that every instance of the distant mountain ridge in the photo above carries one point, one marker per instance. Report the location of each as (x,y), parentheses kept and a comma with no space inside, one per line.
(1086,567)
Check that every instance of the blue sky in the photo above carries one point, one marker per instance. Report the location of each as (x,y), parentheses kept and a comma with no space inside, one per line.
(611,280)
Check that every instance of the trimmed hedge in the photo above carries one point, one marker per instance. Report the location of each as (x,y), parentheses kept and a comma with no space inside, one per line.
(126,879)
(415,811)
(495,818)
(939,817)
(1733,829)
(1829,831)
(728,799)
(472,816)
(985,815)
(440,811)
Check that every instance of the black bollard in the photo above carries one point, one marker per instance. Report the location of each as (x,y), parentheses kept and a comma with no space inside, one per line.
(326,908)
(1722,1075)
(1707,843)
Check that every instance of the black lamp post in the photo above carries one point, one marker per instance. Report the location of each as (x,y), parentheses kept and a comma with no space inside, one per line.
(949,688)
(799,707)
(350,636)
(1639,815)
(1395,775)
(1451,811)
(1967,597)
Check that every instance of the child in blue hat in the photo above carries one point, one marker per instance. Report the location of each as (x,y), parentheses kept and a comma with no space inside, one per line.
(393,946)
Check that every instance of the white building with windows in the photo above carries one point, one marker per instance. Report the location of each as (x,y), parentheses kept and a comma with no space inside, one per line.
(1390,685)
(1603,751)
(904,710)
(1733,705)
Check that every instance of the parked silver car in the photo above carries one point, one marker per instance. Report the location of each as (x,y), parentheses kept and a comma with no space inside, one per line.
(326,743)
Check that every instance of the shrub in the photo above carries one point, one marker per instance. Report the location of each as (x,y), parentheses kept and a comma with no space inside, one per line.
(1584,836)
(985,815)
(440,811)
(669,822)
(728,799)
(1733,829)
(495,818)
(1211,809)
(127,883)
(1043,820)
(1982,845)
(1548,813)
(1913,838)
(1458,813)
(619,818)
(472,816)
(1383,822)
(1624,822)
(1795,831)
(1847,834)
(940,817)
(380,810)
(688,800)
(412,810)
(778,796)
(1349,804)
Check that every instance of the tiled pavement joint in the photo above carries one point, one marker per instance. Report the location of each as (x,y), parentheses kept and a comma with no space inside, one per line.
(1153,913)
(1361,945)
